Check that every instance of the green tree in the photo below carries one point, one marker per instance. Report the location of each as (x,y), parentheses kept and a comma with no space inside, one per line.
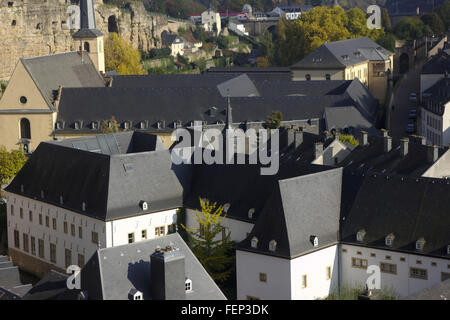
(121,56)
(433,21)
(444,13)
(410,29)
(274,121)
(386,19)
(348,138)
(10,163)
(210,242)
(110,126)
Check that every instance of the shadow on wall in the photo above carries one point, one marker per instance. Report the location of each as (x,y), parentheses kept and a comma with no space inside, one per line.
(139,276)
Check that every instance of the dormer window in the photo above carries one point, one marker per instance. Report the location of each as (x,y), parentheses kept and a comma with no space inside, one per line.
(420,244)
(226,207)
(177,124)
(77,125)
(160,124)
(143,205)
(250,213)
(143,125)
(59,125)
(94,125)
(272,245)
(360,235)
(254,242)
(314,240)
(83,206)
(61,200)
(389,240)
(188,285)
(135,294)
(126,125)
(212,112)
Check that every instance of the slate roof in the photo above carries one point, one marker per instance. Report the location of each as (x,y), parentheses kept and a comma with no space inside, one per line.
(111,185)
(297,209)
(343,117)
(186,104)
(372,158)
(344,53)
(11,287)
(68,69)
(53,286)
(436,97)
(410,208)
(88,28)
(112,272)
(440,291)
(438,64)
(168,38)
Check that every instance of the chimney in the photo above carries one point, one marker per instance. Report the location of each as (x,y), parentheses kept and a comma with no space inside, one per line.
(432,153)
(404,146)
(318,150)
(363,139)
(384,133)
(419,139)
(167,272)
(387,144)
(298,138)
(289,137)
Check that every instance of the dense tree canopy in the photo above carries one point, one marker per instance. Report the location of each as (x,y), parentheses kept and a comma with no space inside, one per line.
(295,40)
(433,21)
(444,13)
(10,163)
(121,56)
(412,28)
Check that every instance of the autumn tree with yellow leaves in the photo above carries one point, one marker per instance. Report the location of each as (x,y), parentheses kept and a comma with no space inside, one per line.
(121,56)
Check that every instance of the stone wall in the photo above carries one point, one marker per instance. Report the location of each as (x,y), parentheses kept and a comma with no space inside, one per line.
(37,27)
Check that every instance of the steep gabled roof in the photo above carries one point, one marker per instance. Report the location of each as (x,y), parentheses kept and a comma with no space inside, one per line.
(410,208)
(70,69)
(297,209)
(112,272)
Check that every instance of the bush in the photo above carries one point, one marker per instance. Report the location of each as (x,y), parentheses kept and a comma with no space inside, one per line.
(159,53)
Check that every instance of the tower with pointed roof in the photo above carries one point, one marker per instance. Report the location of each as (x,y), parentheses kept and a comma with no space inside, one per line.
(89,38)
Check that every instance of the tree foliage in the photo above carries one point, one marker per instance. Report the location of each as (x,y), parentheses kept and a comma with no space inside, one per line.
(433,21)
(110,126)
(444,13)
(411,29)
(121,56)
(10,163)
(210,242)
(274,121)
(295,40)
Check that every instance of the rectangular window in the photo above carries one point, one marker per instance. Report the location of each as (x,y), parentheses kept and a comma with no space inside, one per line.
(94,237)
(80,260)
(359,263)
(418,273)
(304,281)
(72,230)
(40,219)
(159,231)
(16,239)
(47,221)
(54,223)
(21,213)
(25,242)
(80,232)
(41,252)
(53,252)
(344,250)
(445,276)
(433,264)
(388,257)
(373,255)
(262,277)
(12,210)
(30,216)
(402,259)
(418,262)
(328,273)
(68,257)
(144,234)
(252,298)
(131,237)
(33,246)
(388,268)
(171,228)
(66,229)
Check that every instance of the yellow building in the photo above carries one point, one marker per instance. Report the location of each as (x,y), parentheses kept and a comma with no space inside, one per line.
(359,58)
(29,105)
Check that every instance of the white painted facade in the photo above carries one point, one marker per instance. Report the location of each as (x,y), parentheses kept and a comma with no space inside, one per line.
(401,282)
(285,277)
(209,18)
(435,128)
(111,233)
(238,229)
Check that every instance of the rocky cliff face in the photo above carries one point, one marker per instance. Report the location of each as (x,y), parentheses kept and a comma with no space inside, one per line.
(37,27)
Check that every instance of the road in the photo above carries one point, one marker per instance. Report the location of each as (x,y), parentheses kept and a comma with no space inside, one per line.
(409,83)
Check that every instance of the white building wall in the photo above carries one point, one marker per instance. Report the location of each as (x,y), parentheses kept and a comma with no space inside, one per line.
(238,229)
(400,282)
(314,266)
(284,276)
(436,128)
(250,265)
(110,233)
(118,230)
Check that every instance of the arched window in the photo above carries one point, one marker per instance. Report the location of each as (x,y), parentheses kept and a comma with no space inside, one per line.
(86,47)
(25,131)
(308,77)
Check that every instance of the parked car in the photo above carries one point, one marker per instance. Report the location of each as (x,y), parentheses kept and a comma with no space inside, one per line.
(411,128)
(413,97)
(412,114)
